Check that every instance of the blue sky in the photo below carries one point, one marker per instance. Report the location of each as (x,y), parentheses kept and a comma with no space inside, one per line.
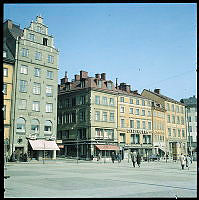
(145,45)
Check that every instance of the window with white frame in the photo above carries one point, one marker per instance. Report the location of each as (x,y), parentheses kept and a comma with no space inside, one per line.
(37,72)
(23,86)
(137,111)
(168,119)
(178,132)
(104,101)
(149,126)
(172,108)
(49,107)
(35,125)
(50,59)
(4,54)
(183,133)
(21,123)
(149,113)
(48,126)
(25,52)
(109,85)
(131,101)
(111,102)
(143,124)
(168,107)
(137,101)
(36,106)
(143,102)
(173,119)
(131,123)
(49,74)
(138,124)
(122,137)
(99,83)
(4,88)
(182,120)
(122,109)
(49,90)
(97,99)
(104,116)
(24,69)
(5,72)
(112,116)
(169,131)
(37,55)
(36,88)
(174,132)
(97,115)
(131,110)
(22,104)
(143,112)
(178,120)
(122,123)
(121,99)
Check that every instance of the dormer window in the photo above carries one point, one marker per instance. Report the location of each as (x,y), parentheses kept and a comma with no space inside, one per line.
(109,85)
(4,54)
(45,41)
(99,83)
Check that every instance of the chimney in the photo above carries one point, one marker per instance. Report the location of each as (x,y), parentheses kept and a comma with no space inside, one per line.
(157,91)
(83,74)
(97,75)
(128,88)
(116,83)
(65,79)
(39,19)
(77,77)
(103,76)
(135,91)
(9,24)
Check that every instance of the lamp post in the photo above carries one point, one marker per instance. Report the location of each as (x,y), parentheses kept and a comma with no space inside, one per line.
(77,147)
(44,152)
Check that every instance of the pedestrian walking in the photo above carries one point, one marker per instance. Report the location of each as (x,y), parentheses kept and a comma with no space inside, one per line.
(119,157)
(182,160)
(113,157)
(188,161)
(138,159)
(99,157)
(133,158)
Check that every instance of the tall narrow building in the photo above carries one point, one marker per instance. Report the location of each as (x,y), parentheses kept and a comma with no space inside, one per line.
(34,113)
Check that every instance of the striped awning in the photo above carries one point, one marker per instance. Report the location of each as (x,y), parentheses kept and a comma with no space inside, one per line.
(107,147)
(43,145)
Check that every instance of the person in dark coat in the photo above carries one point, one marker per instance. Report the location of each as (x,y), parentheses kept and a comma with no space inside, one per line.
(113,157)
(138,159)
(133,158)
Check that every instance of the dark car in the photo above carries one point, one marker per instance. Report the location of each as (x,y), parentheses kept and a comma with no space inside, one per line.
(154,157)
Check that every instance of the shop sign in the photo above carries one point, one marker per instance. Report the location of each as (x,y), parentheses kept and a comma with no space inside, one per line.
(138,131)
(59,141)
(61,146)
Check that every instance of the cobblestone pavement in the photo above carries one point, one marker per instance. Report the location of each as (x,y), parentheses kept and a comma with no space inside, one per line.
(90,179)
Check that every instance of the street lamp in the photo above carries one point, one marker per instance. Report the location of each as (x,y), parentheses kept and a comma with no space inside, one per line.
(77,147)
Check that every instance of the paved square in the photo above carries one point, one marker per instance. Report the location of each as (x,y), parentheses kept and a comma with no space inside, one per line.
(66,178)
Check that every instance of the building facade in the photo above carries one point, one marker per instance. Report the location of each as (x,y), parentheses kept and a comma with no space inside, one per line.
(191,123)
(175,122)
(34,112)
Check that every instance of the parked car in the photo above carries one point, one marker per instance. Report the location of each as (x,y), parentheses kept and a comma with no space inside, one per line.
(154,157)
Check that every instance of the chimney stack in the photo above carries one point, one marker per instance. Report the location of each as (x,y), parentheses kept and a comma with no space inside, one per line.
(77,77)
(97,75)
(83,74)
(157,91)
(65,79)
(103,76)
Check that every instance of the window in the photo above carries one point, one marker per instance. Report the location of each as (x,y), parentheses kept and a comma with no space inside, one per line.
(131,123)
(97,100)
(174,132)
(111,102)
(122,137)
(36,88)
(24,69)
(149,113)
(35,106)
(49,90)
(82,100)
(131,101)
(135,139)
(182,120)
(39,29)
(31,37)
(111,116)
(23,86)
(104,101)
(21,125)
(138,123)
(131,110)
(5,72)
(49,107)
(168,107)
(122,123)
(143,102)
(4,112)
(99,132)
(122,109)
(137,111)
(149,125)
(172,107)
(82,116)
(169,131)
(177,109)
(22,104)
(143,124)
(97,115)
(189,119)
(37,55)
(190,128)
(50,59)
(99,83)
(25,52)
(137,101)
(37,72)
(48,126)
(4,88)
(178,120)
(168,119)
(143,112)
(183,133)
(121,99)
(45,41)
(146,139)
(104,116)
(35,125)
(178,132)
(109,85)
(173,119)
(49,74)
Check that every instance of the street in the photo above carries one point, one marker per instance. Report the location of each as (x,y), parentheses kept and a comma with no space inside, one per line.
(91,179)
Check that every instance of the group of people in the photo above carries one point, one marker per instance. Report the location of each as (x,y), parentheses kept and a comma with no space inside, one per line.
(114,157)
(185,160)
(135,157)
(19,156)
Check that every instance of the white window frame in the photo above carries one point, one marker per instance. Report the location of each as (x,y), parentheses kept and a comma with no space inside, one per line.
(49,107)
(36,106)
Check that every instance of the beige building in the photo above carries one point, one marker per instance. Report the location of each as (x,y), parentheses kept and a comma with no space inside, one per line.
(175,125)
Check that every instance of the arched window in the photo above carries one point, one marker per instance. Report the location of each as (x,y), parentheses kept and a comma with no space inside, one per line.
(48,126)
(35,125)
(21,123)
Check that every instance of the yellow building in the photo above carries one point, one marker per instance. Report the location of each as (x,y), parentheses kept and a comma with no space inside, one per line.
(8,64)
(134,122)
(175,125)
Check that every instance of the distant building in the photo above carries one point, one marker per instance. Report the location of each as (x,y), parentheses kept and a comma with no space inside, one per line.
(34,108)
(175,122)
(191,110)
